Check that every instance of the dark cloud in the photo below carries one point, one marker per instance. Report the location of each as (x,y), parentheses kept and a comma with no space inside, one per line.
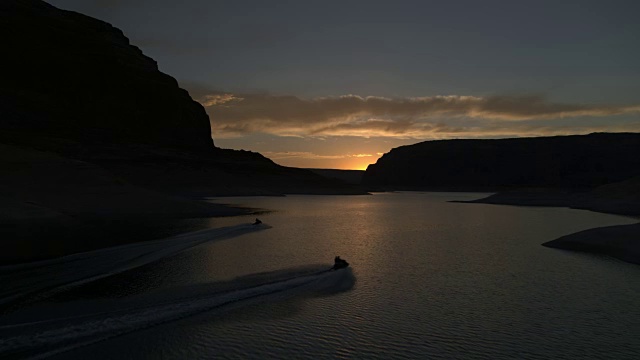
(353,115)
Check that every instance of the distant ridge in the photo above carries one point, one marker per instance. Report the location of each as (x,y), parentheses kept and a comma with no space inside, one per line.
(348,176)
(562,162)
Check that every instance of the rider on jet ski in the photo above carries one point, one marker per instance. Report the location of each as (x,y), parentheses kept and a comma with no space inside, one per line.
(339,263)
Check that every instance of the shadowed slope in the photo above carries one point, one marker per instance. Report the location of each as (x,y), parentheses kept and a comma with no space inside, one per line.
(569,162)
(70,76)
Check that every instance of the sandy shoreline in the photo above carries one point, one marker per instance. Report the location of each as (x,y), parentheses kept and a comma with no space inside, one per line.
(621,241)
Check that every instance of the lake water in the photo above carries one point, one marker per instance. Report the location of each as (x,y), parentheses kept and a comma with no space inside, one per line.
(428,279)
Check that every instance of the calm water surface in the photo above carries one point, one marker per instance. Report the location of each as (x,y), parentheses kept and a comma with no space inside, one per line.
(429,279)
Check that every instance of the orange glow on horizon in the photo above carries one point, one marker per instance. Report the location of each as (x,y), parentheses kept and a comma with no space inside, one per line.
(362,167)
(349,161)
(354,163)
(338,164)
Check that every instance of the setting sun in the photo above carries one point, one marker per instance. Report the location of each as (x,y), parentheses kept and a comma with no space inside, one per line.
(364,164)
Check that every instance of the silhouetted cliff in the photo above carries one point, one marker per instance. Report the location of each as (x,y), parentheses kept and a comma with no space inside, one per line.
(98,147)
(566,162)
(74,86)
(71,76)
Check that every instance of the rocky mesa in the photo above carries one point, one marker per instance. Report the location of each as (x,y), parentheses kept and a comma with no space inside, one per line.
(558,162)
(67,75)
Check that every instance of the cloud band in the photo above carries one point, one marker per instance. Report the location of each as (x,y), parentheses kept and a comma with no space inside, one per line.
(437,116)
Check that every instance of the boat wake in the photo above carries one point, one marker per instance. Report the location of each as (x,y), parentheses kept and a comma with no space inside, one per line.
(46,338)
(37,280)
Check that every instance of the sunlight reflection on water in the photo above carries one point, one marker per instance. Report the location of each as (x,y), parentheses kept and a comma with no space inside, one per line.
(434,279)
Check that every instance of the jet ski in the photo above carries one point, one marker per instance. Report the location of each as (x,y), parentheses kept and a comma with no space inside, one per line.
(339,263)
(257,222)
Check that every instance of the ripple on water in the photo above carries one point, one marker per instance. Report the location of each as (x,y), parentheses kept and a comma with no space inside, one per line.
(434,280)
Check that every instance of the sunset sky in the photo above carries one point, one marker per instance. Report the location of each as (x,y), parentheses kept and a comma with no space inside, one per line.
(335,84)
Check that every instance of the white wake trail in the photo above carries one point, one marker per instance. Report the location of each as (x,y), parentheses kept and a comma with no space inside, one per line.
(44,278)
(67,334)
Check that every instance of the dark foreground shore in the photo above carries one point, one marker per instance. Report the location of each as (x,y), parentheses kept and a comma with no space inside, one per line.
(53,206)
(51,235)
(621,242)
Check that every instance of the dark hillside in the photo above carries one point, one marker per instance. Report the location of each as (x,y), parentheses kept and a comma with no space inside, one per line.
(566,162)
(74,86)
(70,76)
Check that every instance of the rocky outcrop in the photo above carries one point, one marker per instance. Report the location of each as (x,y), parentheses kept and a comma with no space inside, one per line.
(617,241)
(564,162)
(69,76)
(622,198)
